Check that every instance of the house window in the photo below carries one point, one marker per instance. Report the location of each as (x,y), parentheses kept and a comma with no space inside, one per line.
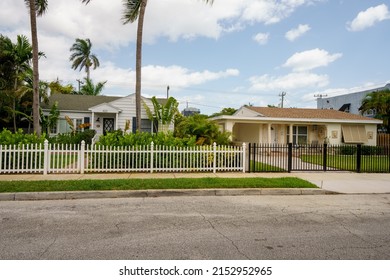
(354,134)
(78,123)
(299,135)
(63,126)
(146,125)
(53,129)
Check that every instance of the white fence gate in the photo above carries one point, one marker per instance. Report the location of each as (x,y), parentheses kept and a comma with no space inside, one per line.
(54,158)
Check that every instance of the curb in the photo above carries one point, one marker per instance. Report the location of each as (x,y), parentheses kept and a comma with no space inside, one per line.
(23,196)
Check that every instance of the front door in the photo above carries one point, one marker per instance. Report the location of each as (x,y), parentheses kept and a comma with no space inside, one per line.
(108,125)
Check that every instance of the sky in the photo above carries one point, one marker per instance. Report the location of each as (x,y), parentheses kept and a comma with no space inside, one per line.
(229,54)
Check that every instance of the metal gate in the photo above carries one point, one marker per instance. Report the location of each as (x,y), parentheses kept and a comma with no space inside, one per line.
(324,157)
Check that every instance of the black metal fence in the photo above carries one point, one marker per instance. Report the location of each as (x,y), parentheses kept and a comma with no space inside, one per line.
(289,157)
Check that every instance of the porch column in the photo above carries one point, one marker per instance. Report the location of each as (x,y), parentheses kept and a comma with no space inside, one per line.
(269,133)
(229,128)
(93,121)
(290,137)
(116,121)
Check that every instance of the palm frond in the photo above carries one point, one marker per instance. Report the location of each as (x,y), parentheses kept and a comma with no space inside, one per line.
(131,10)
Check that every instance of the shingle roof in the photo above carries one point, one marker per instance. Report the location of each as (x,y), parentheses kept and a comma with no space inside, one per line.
(295,113)
(68,102)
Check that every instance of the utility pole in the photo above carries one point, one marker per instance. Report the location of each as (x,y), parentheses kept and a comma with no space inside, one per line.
(80,83)
(167,91)
(282,95)
(320,96)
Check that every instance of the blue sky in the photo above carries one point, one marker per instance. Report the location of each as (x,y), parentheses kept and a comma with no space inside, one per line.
(232,53)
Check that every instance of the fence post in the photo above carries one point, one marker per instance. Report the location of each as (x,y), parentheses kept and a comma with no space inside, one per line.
(46,157)
(289,158)
(243,157)
(82,157)
(215,157)
(359,158)
(324,157)
(151,156)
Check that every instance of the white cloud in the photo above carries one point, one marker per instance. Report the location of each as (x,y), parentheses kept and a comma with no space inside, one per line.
(290,81)
(307,60)
(295,33)
(270,11)
(261,38)
(369,17)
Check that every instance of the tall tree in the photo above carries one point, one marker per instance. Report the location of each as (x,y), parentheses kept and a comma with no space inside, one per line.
(36,8)
(89,88)
(378,102)
(133,10)
(18,57)
(82,56)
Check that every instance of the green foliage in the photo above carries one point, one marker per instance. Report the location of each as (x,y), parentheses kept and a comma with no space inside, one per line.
(56,87)
(206,131)
(163,114)
(74,138)
(9,138)
(224,111)
(379,102)
(118,138)
(89,88)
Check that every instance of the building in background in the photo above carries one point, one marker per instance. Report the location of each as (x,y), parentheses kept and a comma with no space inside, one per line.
(190,111)
(349,103)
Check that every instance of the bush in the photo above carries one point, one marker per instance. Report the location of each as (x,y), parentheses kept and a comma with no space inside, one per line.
(19,137)
(372,150)
(70,138)
(118,138)
(347,150)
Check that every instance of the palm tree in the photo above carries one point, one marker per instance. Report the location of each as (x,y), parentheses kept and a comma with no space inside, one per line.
(36,8)
(89,88)
(379,102)
(18,57)
(135,9)
(82,56)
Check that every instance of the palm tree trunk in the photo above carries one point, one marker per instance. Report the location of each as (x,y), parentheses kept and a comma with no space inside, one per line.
(34,36)
(138,64)
(14,100)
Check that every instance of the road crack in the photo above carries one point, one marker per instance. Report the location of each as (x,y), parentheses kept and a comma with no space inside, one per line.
(47,248)
(224,236)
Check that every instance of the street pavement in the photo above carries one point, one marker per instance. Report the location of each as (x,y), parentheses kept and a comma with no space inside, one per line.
(297,227)
(328,183)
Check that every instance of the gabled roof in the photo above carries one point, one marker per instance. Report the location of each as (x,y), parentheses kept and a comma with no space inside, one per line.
(68,102)
(83,103)
(299,113)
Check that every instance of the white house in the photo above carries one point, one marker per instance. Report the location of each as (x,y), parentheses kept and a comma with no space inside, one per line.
(298,126)
(101,113)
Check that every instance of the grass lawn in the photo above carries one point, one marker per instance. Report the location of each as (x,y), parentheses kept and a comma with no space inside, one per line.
(347,162)
(264,167)
(143,184)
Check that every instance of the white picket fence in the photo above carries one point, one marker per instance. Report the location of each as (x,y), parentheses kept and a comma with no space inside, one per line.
(54,158)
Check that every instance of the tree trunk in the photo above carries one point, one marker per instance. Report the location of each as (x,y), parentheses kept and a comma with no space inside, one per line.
(138,65)
(34,36)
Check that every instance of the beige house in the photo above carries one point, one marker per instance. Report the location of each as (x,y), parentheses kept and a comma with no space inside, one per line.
(298,126)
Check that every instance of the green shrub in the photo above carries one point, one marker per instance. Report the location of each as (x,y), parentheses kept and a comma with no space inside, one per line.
(70,138)
(119,139)
(372,150)
(347,150)
(19,137)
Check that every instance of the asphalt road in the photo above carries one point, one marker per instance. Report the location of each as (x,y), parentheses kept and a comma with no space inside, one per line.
(240,227)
